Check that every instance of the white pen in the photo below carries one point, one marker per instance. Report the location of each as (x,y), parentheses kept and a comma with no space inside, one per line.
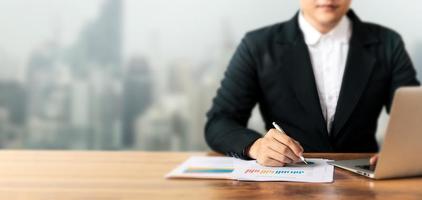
(276,126)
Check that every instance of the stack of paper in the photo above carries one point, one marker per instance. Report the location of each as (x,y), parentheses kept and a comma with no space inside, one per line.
(231,168)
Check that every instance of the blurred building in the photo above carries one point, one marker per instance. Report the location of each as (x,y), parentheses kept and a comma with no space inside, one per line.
(418,60)
(100,41)
(12,114)
(96,65)
(74,93)
(47,97)
(164,126)
(137,97)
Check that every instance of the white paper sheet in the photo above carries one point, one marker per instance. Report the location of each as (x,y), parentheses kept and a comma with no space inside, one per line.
(204,167)
(318,172)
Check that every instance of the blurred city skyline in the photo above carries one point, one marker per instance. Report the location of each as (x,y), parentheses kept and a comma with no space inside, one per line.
(158,28)
(111,74)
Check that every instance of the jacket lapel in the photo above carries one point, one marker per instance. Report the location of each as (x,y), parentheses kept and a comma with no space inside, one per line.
(358,70)
(302,80)
(359,66)
(298,67)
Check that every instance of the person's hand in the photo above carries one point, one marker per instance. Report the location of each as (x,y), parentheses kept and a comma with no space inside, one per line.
(275,149)
(373,160)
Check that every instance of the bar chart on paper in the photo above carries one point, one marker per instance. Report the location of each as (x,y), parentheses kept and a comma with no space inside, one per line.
(208,170)
(205,167)
(273,172)
(318,171)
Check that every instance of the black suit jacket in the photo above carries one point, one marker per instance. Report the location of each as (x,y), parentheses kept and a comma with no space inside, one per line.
(272,67)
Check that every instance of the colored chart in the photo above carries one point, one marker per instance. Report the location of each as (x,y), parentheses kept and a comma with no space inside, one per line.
(272,172)
(317,172)
(208,170)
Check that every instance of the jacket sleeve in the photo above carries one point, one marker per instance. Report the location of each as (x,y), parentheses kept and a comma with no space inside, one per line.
(225,129)
(403,72)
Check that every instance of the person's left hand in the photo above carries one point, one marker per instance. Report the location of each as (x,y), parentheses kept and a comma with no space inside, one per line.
(373,160)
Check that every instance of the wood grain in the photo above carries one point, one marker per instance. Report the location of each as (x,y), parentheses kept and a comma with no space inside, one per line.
(139,175)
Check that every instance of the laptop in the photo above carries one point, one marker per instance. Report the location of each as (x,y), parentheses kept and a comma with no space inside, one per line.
(401,152)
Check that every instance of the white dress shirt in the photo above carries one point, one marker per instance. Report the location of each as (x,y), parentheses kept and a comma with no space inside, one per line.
(328,54)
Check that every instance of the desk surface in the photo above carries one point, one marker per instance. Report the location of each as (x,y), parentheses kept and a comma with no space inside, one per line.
(139,175)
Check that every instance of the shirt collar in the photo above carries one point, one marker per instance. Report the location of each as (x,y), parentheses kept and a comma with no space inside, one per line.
(341,32)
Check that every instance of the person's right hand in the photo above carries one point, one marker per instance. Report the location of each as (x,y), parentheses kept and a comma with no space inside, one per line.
(275,149)
(374,159)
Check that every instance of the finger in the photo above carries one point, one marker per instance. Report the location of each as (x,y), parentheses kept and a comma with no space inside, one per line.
(278,156)
(283,149)
(267,158)
(286,140)
(373,160)
(269,162)
(301,148)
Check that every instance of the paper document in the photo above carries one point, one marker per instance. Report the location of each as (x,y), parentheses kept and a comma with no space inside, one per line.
(318,171)
(205,167)
(231,168)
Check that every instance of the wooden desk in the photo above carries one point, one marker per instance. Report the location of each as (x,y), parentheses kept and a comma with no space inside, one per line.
(139,175)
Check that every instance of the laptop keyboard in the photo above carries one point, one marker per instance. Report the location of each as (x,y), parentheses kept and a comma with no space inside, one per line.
(367,167)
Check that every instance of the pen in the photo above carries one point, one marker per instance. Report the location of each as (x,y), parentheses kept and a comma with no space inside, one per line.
(282,132)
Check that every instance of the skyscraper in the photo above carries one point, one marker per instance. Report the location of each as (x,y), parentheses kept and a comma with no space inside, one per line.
(96,62)
(80,109)
(12,113)
(47,98)
(137,96)
(100,42)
